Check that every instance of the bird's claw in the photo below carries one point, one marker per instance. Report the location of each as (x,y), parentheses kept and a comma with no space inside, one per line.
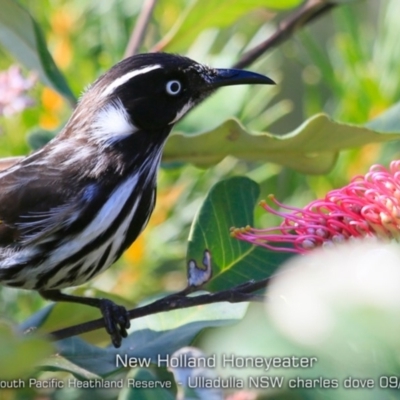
(116,321)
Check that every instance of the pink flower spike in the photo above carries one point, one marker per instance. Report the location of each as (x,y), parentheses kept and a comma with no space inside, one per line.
(368,206)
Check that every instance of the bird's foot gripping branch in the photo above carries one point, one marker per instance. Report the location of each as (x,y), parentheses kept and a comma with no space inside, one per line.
(198,276)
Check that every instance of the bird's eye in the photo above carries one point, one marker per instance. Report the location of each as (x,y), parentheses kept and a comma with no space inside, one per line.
(173,87)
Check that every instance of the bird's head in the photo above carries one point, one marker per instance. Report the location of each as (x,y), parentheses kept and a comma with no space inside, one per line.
(151,92)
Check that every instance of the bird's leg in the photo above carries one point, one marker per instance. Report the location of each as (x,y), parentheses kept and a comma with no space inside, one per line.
(116,317)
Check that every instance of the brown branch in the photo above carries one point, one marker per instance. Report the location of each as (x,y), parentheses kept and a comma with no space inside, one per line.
(139,31)
(240,293)
(305,14)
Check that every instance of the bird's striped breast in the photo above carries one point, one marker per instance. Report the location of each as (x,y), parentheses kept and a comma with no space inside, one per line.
(76,258)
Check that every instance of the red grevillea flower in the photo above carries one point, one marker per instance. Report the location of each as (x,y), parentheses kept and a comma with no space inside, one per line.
(368,206)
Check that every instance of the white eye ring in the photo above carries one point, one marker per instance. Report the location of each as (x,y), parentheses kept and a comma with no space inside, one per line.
(173,87)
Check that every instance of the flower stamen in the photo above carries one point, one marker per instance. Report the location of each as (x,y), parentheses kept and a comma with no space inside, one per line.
(368,206)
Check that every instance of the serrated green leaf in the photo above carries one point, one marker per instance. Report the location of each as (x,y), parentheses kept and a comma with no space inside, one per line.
(312,148)
(204,14)
(230,203)
(21,35)
(151,337)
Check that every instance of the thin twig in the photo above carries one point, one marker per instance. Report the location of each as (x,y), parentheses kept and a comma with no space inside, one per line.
(139,31)
(240,293)
(305,14)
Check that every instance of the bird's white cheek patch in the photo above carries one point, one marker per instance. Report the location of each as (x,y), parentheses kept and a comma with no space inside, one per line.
(188,106)
(112,124)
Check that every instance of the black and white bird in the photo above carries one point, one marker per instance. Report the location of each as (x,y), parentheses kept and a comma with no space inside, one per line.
(69,210)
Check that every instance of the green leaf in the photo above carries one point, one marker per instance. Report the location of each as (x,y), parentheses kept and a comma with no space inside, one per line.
(129,393)
(19,353)
(312,148)
(36,320)
(58,363)
(151,337)
(204,14)
(21,35)
(230,203)
(387,122)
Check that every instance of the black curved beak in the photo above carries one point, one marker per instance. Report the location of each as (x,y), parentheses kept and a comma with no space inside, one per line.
(230,77)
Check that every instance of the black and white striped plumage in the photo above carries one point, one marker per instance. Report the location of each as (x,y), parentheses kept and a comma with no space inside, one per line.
(69,210)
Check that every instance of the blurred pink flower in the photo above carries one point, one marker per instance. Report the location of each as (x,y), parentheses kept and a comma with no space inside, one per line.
(12,91)
(368,206)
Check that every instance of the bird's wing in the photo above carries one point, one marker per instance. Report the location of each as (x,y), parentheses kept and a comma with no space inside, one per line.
(35,202)
(8,162)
